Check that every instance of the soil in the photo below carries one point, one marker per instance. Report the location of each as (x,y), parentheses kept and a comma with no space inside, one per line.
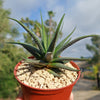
(41,78)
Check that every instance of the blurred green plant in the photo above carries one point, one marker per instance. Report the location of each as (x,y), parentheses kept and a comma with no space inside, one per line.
(88,75)
(94,49)
(9,55)
(95,69)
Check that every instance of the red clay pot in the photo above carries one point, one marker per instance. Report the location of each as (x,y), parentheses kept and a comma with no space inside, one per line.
(30,93)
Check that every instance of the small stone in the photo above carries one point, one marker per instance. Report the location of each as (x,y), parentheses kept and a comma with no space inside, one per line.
(26,83)
(43,79)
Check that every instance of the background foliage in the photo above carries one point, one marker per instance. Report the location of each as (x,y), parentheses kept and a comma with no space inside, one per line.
(95,50)
(10,55)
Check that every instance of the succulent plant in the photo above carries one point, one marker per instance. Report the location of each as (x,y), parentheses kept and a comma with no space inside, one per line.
(47,53)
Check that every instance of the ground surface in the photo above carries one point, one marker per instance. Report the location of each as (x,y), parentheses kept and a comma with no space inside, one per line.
(83,90)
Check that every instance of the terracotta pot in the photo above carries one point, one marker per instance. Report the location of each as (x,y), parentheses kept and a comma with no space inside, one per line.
(30,93)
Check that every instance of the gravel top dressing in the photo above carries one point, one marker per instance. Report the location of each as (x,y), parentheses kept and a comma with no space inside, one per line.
(44,80)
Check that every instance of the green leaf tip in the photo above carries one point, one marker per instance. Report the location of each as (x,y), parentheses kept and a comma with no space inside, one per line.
(53,42)
(37,41)
(53,72)
(72,42)
(31,49)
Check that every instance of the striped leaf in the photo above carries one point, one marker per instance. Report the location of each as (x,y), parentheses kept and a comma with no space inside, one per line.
(53,42)
(41,34)
(49,38)
(72,42)
(53,72)
(36,63)
(60,46)
(64,40)
(31,34)
(44,35)
(69,59)
(59,65)
(39,28)
(34,51)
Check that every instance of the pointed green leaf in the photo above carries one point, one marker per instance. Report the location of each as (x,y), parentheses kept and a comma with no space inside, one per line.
(63,41)
(36,63)
(44,35)
(59,65)
(53,72)
(31,34)
(39,28)
(53,42)
(41,34)
(57,70)
(68,59)
(49,39)
(32,60)
(60,46)
(72,42)
(34,51)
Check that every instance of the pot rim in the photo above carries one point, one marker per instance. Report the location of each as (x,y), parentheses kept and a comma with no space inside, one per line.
(39,89)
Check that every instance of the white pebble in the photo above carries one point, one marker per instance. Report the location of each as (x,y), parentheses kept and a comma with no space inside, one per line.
(43,79)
